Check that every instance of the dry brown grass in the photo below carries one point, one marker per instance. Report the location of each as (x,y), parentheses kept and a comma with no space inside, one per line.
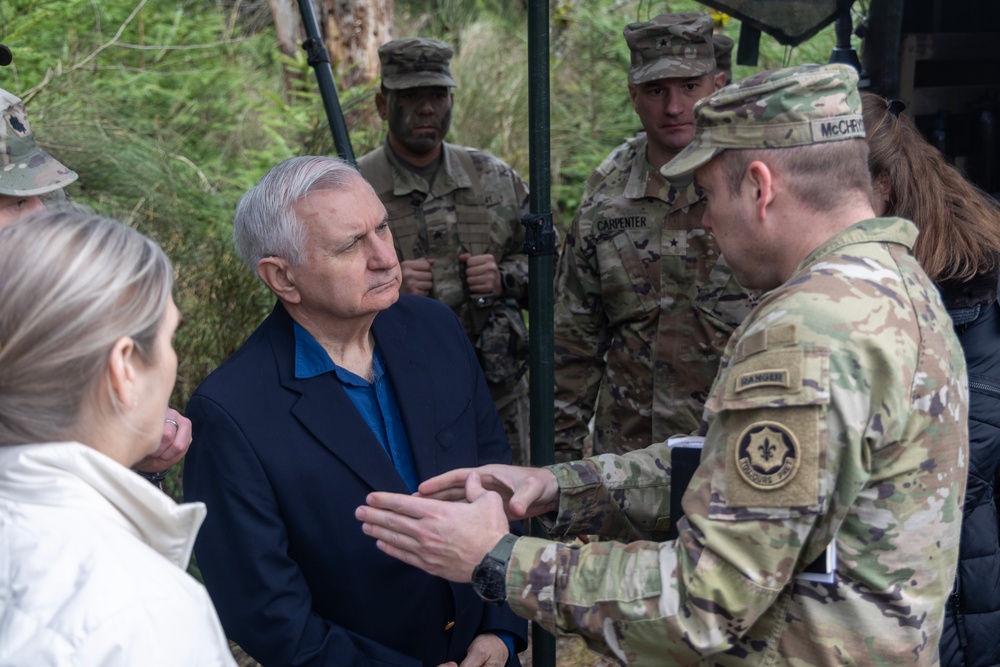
(572,652)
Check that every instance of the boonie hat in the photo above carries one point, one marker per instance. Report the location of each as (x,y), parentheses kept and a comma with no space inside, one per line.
(670,46)
(25,169)
(415,62)
(795,106)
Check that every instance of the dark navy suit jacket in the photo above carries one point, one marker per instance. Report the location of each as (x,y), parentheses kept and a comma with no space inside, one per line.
(282,464)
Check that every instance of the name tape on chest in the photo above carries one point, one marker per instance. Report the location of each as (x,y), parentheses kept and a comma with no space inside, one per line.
(624,222)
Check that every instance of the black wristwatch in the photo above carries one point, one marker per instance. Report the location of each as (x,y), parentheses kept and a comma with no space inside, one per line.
(489,579)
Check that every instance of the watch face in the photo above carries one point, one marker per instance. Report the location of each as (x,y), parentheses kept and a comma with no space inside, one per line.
(489,581)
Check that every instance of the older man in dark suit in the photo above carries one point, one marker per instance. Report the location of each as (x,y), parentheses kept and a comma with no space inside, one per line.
(344,389)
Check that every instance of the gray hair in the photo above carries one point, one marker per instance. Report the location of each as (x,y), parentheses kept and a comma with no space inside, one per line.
(266,225)
(71,284)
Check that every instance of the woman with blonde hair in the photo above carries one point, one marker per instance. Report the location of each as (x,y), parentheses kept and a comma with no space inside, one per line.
(93,556)
(959,248)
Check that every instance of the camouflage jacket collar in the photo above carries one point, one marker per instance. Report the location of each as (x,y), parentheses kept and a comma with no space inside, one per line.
(449,177)
(645,181)
(874,230)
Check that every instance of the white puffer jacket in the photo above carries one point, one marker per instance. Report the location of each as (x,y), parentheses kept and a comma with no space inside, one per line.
(92,562)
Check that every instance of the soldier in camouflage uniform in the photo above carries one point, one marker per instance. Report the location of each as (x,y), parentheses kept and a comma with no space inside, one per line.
(644,303)
(455,214)
(723,47)
(30,178)
(26,171)
(838,417)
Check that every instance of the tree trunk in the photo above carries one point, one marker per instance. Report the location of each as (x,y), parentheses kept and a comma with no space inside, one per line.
(288,25)
(352,30)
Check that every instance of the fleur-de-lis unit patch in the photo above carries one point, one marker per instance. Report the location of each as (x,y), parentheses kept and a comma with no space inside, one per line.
(767,455)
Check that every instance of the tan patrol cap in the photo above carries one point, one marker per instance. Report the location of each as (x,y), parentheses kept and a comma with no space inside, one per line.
(415,62)
(25,169)
(795,106)
(670,46)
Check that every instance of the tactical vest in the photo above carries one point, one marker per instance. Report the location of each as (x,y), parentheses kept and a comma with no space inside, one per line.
(472,222)
(497,331)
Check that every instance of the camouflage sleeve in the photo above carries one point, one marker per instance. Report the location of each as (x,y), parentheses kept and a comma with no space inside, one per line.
(580,338)
(813,437)
(672,602)
(619,497)
(514,263)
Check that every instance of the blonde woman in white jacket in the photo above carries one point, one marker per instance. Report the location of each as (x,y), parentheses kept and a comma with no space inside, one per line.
(92,556)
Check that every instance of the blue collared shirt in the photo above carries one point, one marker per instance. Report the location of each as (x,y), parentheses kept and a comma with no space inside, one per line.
(376,400)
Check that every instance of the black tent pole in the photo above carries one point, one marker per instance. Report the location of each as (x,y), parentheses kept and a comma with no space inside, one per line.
(540,246)
(319,59)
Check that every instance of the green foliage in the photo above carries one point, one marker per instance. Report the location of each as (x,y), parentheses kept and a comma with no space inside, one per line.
(590,110)
(171,109)
(168,117)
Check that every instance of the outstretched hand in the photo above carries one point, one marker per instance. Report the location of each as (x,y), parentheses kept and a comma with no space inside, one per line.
(526,492)
(446,539)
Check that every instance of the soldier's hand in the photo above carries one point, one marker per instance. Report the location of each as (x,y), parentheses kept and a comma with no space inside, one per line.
(482,275)
(526,492)
(417,276)
(444,539)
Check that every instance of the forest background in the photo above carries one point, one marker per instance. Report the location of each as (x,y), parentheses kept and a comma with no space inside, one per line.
(171,109)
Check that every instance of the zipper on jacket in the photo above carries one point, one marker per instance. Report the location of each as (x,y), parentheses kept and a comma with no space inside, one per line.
(985,387)
(956,613)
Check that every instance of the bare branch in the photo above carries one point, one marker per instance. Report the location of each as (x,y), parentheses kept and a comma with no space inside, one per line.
(180,47)
(96,52)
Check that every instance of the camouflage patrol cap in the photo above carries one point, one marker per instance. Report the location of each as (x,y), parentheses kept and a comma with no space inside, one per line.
(723,47)
(670,46)
(415,62)
(25,169)
(796,106)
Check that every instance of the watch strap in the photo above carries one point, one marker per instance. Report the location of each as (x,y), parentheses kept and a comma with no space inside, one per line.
(503,549)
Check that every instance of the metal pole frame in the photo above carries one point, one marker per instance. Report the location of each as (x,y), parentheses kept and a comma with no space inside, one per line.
(319,59)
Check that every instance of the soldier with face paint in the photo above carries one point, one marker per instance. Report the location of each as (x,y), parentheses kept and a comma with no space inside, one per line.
(455,214)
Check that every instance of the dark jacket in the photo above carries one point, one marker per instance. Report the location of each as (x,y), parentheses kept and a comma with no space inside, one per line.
(282,463)
(971,636)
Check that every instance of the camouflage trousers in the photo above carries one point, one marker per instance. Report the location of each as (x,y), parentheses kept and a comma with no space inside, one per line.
(512,405)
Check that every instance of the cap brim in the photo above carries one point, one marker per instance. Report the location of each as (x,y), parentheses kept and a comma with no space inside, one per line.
(688,160)
(39,175)
(418,80)
(670,68)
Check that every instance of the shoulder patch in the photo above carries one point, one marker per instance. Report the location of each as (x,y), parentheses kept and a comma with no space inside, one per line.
(774,457)
(768,455)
